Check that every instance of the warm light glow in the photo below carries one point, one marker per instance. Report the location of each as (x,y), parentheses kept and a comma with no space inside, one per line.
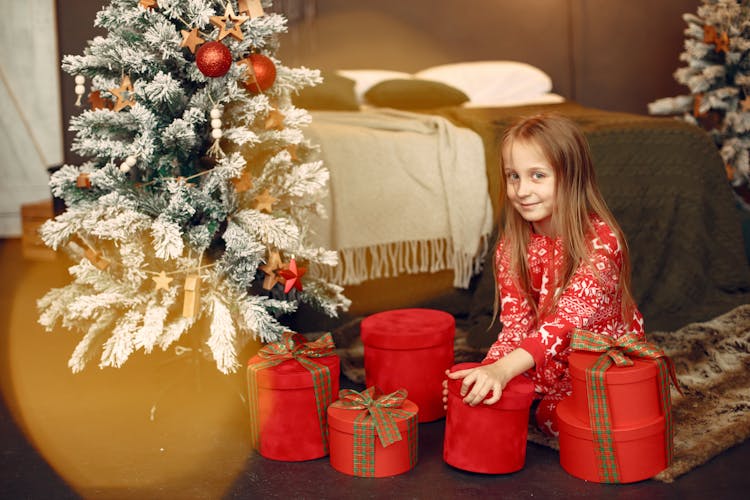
(95,428)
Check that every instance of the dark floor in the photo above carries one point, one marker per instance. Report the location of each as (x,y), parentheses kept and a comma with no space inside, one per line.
(90,435)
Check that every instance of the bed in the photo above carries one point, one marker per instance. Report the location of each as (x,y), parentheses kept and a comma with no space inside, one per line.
(662,178)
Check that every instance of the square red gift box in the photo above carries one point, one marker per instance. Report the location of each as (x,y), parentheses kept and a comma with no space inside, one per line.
(290,384)
(373,434)
(410,349)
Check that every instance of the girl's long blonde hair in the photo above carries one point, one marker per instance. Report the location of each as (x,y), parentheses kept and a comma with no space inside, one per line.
(577,196)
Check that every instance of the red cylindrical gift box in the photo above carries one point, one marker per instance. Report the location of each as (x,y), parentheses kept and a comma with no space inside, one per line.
(632,391)
(288,416)
(410,349)
(640,449)
(394,459)
(490,439)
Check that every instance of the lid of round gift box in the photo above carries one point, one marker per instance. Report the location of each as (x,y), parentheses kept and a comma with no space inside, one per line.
(342,419)
(517,395)
(640,370)
(408,329)
(291,374)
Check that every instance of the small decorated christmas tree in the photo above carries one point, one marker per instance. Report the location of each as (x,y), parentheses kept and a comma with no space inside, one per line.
(717,53)
(194,199)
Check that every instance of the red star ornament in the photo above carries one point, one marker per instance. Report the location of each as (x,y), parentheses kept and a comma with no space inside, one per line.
(292,275)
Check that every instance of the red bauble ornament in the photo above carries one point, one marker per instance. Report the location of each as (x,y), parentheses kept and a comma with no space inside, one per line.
(260,74)
(213,59)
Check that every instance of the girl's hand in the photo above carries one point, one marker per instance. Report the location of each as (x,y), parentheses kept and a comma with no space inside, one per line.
(481,380)
(490,377)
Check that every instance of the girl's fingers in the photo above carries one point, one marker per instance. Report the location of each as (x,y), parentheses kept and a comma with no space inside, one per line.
(497,392)
(478,392)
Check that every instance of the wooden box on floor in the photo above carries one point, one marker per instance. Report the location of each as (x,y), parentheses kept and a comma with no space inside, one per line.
(33,215)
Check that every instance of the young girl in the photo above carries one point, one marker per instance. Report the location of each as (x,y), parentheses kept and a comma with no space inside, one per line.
(561,264)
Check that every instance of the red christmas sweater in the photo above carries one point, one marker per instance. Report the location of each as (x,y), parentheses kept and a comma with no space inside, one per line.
(591,301)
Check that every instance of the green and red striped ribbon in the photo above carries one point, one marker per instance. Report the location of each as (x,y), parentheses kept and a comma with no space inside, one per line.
(294,346)
(378,419)
(620,351)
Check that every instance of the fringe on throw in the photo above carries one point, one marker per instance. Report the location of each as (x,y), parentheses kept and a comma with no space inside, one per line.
(388,260)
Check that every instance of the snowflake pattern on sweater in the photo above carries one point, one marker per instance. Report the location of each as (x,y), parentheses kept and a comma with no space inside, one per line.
(591,301)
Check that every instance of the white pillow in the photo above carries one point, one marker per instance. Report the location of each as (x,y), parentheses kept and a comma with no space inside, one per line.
(491,83)
(364,79)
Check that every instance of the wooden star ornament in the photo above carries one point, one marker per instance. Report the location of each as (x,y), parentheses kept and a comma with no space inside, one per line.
(124,94)
(148,4)
(229,23)
(243,183)
(191,39)
(292,276)
(98,102)
(264,201)
(270,268)
(745,103)
(162,281)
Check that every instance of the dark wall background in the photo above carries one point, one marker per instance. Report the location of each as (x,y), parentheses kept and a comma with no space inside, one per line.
(611,54)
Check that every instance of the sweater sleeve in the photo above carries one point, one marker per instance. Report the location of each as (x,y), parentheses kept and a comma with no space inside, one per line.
(592,293)
(516,314)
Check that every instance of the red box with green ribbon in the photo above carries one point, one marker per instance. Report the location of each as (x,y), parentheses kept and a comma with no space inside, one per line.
(290,385)
(373,434)
(616,427)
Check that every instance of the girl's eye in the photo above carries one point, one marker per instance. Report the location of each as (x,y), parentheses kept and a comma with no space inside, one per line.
(538,175)
(511,176)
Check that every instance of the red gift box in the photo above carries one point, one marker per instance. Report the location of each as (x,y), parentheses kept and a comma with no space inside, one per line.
(626,386)
(640,449)
(373,435)
(411,349)
(291,383)
(616,427)
(490,439)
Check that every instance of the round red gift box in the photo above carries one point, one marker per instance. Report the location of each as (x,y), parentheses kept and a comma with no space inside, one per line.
(288,416)
(389,461)
(490,439)
(410,349)
(632,391)
(640,450)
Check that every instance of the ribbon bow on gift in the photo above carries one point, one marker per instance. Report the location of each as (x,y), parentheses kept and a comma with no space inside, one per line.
(620,351)
(294,346)
(378,419)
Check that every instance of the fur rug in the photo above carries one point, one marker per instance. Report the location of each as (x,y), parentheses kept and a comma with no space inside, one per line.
(712,361)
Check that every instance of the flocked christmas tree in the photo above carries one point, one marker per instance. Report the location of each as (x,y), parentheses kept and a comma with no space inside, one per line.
(717,54)
(195,194)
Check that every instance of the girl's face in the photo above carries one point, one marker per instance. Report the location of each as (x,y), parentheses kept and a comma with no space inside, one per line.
(531,185)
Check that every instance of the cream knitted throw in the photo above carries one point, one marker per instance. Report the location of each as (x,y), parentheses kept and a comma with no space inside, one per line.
(408,194)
